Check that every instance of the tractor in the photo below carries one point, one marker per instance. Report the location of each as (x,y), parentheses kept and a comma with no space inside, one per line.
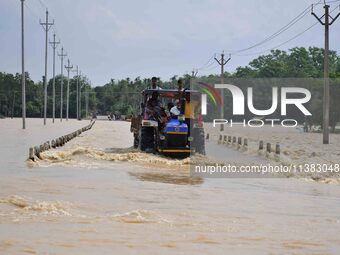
(157,130)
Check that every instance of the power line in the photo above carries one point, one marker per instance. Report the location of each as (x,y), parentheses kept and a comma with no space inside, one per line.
(285,42)
(280,31)
(269,38)
(207,63)
(54,28)
(281,44)
(212,67)
(330,2)
(43,6)
(31,10)
(283,29)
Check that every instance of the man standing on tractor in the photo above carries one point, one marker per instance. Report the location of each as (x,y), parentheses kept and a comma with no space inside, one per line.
(154,83)
(189,111)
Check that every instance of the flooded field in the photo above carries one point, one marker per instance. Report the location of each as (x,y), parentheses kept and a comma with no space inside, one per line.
(96,195)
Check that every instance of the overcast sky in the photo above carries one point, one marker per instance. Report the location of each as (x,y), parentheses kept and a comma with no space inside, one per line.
(130,38)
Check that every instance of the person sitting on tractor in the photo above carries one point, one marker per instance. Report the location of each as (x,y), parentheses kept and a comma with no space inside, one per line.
(149,110)
(153,106)
(163,118)
(176,110)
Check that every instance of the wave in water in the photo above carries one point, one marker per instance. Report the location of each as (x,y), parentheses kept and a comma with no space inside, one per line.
(23,205)
(139,216)
(76,157)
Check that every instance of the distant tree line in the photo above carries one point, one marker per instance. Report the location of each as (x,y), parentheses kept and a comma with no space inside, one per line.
(122,97)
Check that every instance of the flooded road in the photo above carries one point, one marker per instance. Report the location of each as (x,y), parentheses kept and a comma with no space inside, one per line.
(96,195)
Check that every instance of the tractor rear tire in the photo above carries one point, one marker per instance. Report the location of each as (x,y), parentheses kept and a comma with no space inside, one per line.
(147,138)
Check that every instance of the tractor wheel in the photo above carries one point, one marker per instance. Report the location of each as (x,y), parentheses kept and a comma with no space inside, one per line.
(146,140)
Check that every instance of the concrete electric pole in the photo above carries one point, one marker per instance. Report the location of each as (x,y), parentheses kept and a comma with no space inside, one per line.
(68,68)
(77,73)
(80,83)
(86,103)
(62,55)
(328,21)
(46,27)
(54,46)
(222,62)
(23,85)
(194,73)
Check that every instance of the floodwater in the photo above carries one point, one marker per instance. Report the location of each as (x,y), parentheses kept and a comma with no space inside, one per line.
(98,196)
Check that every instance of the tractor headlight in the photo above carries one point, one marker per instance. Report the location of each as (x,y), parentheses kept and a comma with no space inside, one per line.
(181,117)
(162,137)
(190,138)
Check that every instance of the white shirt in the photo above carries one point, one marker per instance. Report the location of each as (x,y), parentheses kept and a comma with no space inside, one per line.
(175,111)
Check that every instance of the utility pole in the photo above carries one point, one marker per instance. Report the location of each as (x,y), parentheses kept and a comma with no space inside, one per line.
(54,46)
(222,62)
(194,73)
(13,102)
(62,55)
(328,21)
(80,83)
(23,85)
(68,68)
(46,27)
(86,103)
(77,71)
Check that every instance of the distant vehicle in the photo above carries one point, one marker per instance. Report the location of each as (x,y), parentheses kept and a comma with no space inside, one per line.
(156,130)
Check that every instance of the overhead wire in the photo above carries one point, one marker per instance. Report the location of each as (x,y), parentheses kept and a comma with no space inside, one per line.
(330,2)
(280,31)
(285,42)
(54,28)
(271,37)
(207,63)
(281,44)
(212,67)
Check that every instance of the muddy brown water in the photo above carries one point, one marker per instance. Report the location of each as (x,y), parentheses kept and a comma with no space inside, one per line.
(98,196)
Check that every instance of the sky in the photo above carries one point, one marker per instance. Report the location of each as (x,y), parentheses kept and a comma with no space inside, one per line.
(111,39)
